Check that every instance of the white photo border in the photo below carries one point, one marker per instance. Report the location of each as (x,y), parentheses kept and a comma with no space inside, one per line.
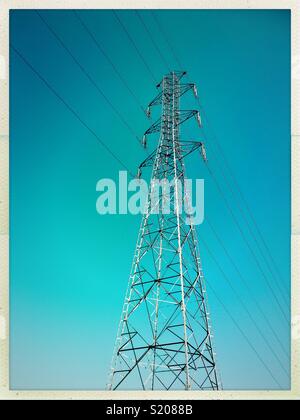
(5,7)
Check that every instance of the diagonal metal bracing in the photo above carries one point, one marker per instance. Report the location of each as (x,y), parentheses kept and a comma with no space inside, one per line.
(164,339)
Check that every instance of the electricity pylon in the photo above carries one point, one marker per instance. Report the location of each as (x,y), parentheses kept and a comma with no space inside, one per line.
(164,337)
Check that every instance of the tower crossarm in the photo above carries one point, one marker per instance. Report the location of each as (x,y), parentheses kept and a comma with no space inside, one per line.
(182,89)
(178,73)
(154,128)
(180,117)
(186,148)
(156,101)
(149,160)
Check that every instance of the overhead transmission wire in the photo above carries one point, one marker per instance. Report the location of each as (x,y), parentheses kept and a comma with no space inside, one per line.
(245,308)
(135,47)
(248,245)
(245,239)
(163,32)
(252,296)
(69,107)
(104,53)
(248,288)
(237,188)
(243,334)
(252,233)
(152,40)
(99,90)
(231,259)
(252,252)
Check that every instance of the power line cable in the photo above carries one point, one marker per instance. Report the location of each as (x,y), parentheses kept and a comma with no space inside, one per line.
(245,308)
(152,40)
(248,245)
(238,189)
(252,233)
(104,53)
(249,228)
(243,334)
(60,41)
(50,87)
(163,32)
(135,46)
(230,258)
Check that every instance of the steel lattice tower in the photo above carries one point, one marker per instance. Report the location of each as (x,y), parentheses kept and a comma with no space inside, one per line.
(164,337)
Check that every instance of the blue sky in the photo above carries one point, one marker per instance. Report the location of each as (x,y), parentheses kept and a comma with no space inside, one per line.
(69,266)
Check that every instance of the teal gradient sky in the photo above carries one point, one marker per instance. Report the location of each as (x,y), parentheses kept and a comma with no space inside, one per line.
(69,266)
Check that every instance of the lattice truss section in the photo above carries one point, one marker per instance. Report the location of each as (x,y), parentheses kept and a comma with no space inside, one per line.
(164,337)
